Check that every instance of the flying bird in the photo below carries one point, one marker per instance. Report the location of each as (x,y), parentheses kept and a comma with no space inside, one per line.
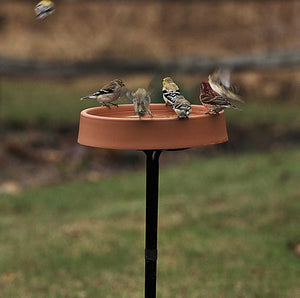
(219,81)
(216,93)
(43,9)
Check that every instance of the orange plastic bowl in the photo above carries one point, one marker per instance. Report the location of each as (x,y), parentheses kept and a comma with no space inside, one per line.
(119,128)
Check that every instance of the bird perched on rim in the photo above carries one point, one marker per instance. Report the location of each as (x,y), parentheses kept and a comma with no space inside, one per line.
(170,91)
(182,107)
(141,101)
(108,93)
(43,9)
(216,93)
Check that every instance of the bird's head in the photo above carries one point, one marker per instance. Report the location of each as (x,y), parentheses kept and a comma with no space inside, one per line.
(119,82)
(46,2)
(167,80)
(205,85)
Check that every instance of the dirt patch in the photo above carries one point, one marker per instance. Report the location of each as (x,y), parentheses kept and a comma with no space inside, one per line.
(32,158)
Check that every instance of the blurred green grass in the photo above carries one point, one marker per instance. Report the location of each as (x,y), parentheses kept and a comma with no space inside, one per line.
(225,225)
(57,104)
(35,103)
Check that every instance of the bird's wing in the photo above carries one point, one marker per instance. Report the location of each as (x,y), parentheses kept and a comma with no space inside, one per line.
(171,95)
(182,106)
(148,99)
(224,76)
(43,8)
(214,100)
(103,91)
(130,95)
(232,94)
(221,77)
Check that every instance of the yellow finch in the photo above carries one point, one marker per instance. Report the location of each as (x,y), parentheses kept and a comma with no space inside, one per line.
(108,93)
(182,107)
(141,101)
(216,92)
(43,9)
(170,91)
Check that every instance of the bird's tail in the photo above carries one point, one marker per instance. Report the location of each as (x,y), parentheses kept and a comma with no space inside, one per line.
(236,108)
(87,97)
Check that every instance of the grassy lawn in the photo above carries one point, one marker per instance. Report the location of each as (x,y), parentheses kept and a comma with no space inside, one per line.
(47,103)
(225,226)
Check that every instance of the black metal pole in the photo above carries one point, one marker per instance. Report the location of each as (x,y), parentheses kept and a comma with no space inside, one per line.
(152,176)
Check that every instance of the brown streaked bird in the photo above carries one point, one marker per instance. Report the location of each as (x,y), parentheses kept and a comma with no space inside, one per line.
(108,93)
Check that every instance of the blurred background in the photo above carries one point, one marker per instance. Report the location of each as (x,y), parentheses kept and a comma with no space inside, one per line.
(47,65)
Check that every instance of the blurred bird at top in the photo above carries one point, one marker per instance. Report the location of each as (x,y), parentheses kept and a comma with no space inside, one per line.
(170,91)
(108,93)
(216,93)
(43,9)
(141,101)
(182,107)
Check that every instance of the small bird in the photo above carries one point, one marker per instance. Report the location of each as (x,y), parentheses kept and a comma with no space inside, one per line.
(217,91)
(141,101)
(170,91)
(182,107)
(108,93)
(219,81)
(43,9)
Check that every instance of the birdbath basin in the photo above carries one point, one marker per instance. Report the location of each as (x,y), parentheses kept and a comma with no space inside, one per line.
(119,128)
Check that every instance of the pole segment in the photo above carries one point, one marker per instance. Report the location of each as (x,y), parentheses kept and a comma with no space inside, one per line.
(152,178)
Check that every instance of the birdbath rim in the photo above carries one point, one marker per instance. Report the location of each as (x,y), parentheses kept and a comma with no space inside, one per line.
(119,128)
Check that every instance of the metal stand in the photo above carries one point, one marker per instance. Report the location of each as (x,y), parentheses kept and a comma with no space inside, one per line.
(152,175)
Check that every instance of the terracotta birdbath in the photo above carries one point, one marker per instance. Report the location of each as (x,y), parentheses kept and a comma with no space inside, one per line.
(119,128)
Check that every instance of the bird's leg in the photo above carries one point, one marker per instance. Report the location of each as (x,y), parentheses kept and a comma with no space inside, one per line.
(214,112)
(105,104)
(114,104)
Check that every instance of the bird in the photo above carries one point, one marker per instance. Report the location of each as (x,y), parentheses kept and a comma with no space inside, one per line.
(182,107)
(170,91)
(108,93)
(43,9)
(216,93)
(141,101)
(219,81)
